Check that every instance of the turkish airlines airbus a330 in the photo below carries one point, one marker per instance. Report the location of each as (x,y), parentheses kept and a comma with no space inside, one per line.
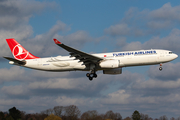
(110,63)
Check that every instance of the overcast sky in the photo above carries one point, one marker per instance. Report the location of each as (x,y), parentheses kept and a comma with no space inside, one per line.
(93,27)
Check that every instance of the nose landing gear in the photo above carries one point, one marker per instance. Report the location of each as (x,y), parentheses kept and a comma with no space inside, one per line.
(160,68)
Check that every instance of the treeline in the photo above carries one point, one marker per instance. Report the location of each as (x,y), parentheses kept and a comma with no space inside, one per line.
(73,113)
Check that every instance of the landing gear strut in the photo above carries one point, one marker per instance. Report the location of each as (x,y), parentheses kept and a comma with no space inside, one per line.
(91,75)
(160,68)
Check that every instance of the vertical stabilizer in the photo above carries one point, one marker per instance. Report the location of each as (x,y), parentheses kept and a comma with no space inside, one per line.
(18,51)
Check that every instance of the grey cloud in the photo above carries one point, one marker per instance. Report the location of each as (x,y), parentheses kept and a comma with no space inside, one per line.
(157,84)
(170,42)
(119,29)
(12,74)
(40,42)
(23,7)
(159,24)
(14,15)
(143,100)
(76,39)
(166,12)
(38,45)
(19,34)
(123,93)
(15,92)
(68,86)
(130,14)
(170,72)
(16,12)
(64,100)
(130,89)
(132,46)
(46,83)
(140,23)
(118,97)
(41,103)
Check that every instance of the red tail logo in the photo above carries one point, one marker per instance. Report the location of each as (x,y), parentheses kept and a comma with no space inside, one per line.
(18,51)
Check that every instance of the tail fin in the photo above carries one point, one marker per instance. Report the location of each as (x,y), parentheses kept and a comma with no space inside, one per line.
(18,51)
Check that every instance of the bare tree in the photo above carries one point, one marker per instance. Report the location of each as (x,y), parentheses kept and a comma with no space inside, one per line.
(52,117)
(144,116)
(163,117)
(110,115)
(47,112)
(90,115)
(72,112)
(58,110)
(172,118)
(85,116)
(118,116)
(23,115)
(178,118)
(37,116)
(113,116)
(127,118)
(150,118)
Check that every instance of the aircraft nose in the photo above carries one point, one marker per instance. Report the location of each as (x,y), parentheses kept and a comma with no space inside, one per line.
(176,55)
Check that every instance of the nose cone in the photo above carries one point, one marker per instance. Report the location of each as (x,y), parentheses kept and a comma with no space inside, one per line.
(176,56)
(173,56)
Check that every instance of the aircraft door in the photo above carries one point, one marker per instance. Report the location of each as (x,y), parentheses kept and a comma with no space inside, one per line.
(162,54)
(160,57)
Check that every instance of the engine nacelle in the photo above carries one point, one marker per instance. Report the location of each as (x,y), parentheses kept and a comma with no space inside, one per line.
(113,71)
(110,64)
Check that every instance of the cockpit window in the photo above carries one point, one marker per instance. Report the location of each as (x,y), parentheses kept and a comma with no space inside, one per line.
(170,52)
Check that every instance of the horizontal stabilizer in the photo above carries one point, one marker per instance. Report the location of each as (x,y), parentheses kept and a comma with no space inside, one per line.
(19,62)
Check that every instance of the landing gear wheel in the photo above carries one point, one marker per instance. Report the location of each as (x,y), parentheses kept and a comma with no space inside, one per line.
(95,75)
(92,73)
(160,68)
(90,78)
(87,74)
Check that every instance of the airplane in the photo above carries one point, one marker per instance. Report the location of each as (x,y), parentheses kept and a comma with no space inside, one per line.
(110,63)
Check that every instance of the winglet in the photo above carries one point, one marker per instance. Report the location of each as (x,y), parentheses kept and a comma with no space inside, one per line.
(56,41)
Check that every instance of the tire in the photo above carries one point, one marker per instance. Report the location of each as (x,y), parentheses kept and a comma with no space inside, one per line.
(95,75)
(90,78)
(87,74)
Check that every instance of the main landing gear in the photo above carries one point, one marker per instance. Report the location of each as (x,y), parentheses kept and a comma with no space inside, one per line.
(160,68)
(91,75)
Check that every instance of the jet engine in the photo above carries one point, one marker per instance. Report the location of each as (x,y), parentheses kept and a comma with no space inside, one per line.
(110,64)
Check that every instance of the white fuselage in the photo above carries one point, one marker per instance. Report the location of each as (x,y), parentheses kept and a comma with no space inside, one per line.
(126,59)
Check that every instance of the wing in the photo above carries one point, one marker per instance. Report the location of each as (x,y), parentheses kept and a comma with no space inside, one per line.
(79,55)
